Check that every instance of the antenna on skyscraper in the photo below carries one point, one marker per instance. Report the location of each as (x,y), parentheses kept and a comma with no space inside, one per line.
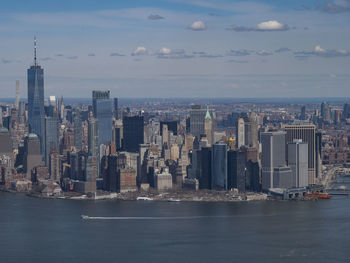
(35,51)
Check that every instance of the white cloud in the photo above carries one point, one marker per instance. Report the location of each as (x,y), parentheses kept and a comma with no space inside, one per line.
(139,51)
(172,53)
(198,26)
(271,25)
(164,51)
(322,52)
(264,53)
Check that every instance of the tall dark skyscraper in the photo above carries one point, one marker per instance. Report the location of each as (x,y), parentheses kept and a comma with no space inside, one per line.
(36,113)
(99,95)
(133,133)
(116,112)
(104,116)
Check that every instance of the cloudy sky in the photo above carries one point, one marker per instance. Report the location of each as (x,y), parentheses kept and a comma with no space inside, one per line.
(179,48)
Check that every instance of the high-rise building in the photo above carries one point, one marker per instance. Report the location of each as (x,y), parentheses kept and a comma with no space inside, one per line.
(99,95)
(219,165)
(133,133)
(346,111)
(116,108)
(93,137)
(105,122)
(273,155)
(172,126)
(36,114)
(208,127)
(78,133)
(298,162)
(197,117)
(307,133)
(240,133)
(32,155)
(236,169)
(205,173)
(17,95)
(51,137)
(251,131)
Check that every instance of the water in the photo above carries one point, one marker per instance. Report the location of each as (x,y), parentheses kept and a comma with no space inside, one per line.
(43,230)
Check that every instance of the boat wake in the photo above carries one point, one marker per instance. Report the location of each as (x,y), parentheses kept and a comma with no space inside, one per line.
(85,217)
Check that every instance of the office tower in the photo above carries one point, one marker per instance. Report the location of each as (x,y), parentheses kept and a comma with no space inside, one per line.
(346,111)
(36,101)
(205,173)
(298,162)
(208,127)
(273,155)
(172,126)
(78,133)
(219,165)
(307,133)
(325,112)
(5,142)
(318,152)
(165,136)
(32,154)
(303,113)
(132,133)
(93,145)
(118,135)
(253,176)
(17,95)
(251,131)
(51,137)
(236,169)
(54,166)
(240,137)
(99,95)
(116,108)
(197,117)
(105,122)
(142,164)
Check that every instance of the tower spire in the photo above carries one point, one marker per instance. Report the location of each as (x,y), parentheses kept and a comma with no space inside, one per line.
(35,64)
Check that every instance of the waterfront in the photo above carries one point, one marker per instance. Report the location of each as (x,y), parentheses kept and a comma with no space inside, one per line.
(49,230)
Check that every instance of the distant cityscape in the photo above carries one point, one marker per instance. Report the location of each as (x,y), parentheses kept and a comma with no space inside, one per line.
(210,150)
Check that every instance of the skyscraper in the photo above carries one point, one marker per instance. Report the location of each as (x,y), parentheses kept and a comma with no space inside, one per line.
(240,131)
(133,133)
(298,162)
(219,165)
(116,109)
(51,137)
(208,127)
(36,114)
(307,133)
(105,122)
(32,155)
(99,95)
(273,156)
(17,95)
(78,134)
(93,137)
(197,117)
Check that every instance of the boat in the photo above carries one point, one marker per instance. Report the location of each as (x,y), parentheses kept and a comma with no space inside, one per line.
(318,195)
(143,198)
(84,217)
(173,200)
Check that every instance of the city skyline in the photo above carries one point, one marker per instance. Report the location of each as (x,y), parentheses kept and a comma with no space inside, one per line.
(180,48)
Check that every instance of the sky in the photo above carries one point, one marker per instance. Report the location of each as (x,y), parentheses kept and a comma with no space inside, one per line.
(178,48)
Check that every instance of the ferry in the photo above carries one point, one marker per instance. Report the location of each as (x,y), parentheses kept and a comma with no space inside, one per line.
(319,195)
(173,200)
(142,198)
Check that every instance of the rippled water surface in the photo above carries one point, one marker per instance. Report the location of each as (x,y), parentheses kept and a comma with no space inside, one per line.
(44,230)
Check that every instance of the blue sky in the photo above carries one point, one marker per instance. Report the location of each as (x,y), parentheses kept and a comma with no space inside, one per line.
(179,48)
